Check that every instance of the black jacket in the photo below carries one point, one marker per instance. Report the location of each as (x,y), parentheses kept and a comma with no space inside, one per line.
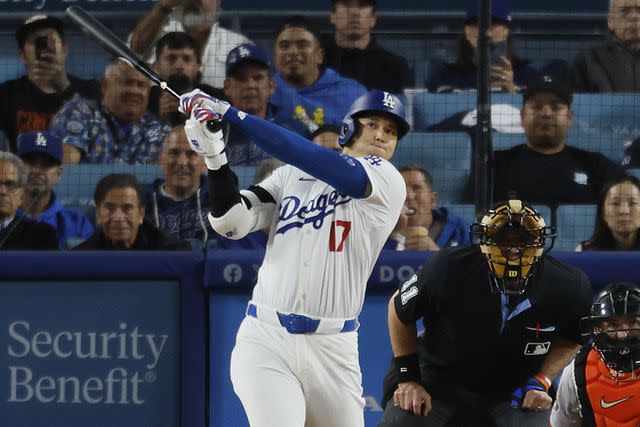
(149,238)
(28,235)
(608,67)
(374,66)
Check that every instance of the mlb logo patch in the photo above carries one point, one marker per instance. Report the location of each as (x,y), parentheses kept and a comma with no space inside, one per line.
(537,348)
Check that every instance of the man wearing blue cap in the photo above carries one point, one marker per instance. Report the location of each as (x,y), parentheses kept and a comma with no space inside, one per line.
(248,86)
(42,155)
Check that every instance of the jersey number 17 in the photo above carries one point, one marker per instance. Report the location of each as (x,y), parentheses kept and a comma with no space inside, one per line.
(334,244)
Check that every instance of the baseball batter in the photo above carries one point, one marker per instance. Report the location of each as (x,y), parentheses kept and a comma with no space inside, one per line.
(295,362)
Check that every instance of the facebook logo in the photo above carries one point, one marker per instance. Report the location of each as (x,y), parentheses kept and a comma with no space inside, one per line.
(232,273)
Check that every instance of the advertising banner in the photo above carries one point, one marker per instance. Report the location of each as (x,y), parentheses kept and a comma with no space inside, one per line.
(83,353)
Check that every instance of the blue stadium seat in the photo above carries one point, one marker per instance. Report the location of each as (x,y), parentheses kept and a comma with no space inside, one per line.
(609,144)
(447,156)
(607,113)
(574,224)
(245,175)
(464,211)
(432,108)
(634,171)
(78,182)
(504,141)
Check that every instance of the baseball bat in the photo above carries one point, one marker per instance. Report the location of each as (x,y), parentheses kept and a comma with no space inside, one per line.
(112,44)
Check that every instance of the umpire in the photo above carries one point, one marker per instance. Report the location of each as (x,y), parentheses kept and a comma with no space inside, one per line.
(501,321)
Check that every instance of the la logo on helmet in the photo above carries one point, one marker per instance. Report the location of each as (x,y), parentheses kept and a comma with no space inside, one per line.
(388,101)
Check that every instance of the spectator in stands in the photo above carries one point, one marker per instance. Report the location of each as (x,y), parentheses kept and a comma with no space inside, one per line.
(248,86)
(30,102)
(16,231)
(425,227)
(617,218)
(353,51)
(327,136)
(197,18)
(178,203)
(305,88)
(178,63)
(613,65)
(120,130)
(42,155)
(546,169)
(120,202)
(509,73)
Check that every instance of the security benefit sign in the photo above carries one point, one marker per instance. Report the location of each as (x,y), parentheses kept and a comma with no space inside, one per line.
(89,354)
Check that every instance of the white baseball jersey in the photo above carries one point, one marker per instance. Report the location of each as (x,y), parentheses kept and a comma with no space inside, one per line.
(567,411)
(322,244)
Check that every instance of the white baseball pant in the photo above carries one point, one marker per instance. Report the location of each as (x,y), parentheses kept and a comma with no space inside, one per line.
(297,380)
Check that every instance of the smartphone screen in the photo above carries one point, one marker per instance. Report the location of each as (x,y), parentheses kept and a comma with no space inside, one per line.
(498,50)
(44,44)
(41,44)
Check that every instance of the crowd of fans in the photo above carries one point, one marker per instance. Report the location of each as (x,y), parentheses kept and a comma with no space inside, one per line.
(51,118)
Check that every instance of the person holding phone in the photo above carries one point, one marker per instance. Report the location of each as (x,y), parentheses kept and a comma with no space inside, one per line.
(508,71)
(28,103)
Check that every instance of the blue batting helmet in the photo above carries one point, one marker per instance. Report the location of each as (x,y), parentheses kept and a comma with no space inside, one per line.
(373,101)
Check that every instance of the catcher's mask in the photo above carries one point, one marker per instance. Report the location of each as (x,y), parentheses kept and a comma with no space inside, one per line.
(512,236)
(614,326)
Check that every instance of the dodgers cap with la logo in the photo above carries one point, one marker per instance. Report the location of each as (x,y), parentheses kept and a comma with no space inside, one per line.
(246,53)
(40,142)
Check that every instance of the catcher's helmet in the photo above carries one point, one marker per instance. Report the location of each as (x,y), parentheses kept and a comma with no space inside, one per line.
(616,303)
(371,102)
(512,224)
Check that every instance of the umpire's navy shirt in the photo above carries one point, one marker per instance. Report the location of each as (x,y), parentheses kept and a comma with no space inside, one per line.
(467,346)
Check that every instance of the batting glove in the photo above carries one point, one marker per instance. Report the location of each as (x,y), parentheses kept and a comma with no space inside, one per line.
(537,382)
(208,144)
(199,99)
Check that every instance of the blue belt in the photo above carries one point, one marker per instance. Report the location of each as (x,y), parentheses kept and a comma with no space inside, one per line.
(298,324)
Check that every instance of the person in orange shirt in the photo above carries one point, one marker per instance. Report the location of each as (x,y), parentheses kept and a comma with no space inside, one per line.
(601,387)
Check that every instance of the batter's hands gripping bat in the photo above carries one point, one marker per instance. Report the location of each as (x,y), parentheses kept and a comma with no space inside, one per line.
(112,44)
